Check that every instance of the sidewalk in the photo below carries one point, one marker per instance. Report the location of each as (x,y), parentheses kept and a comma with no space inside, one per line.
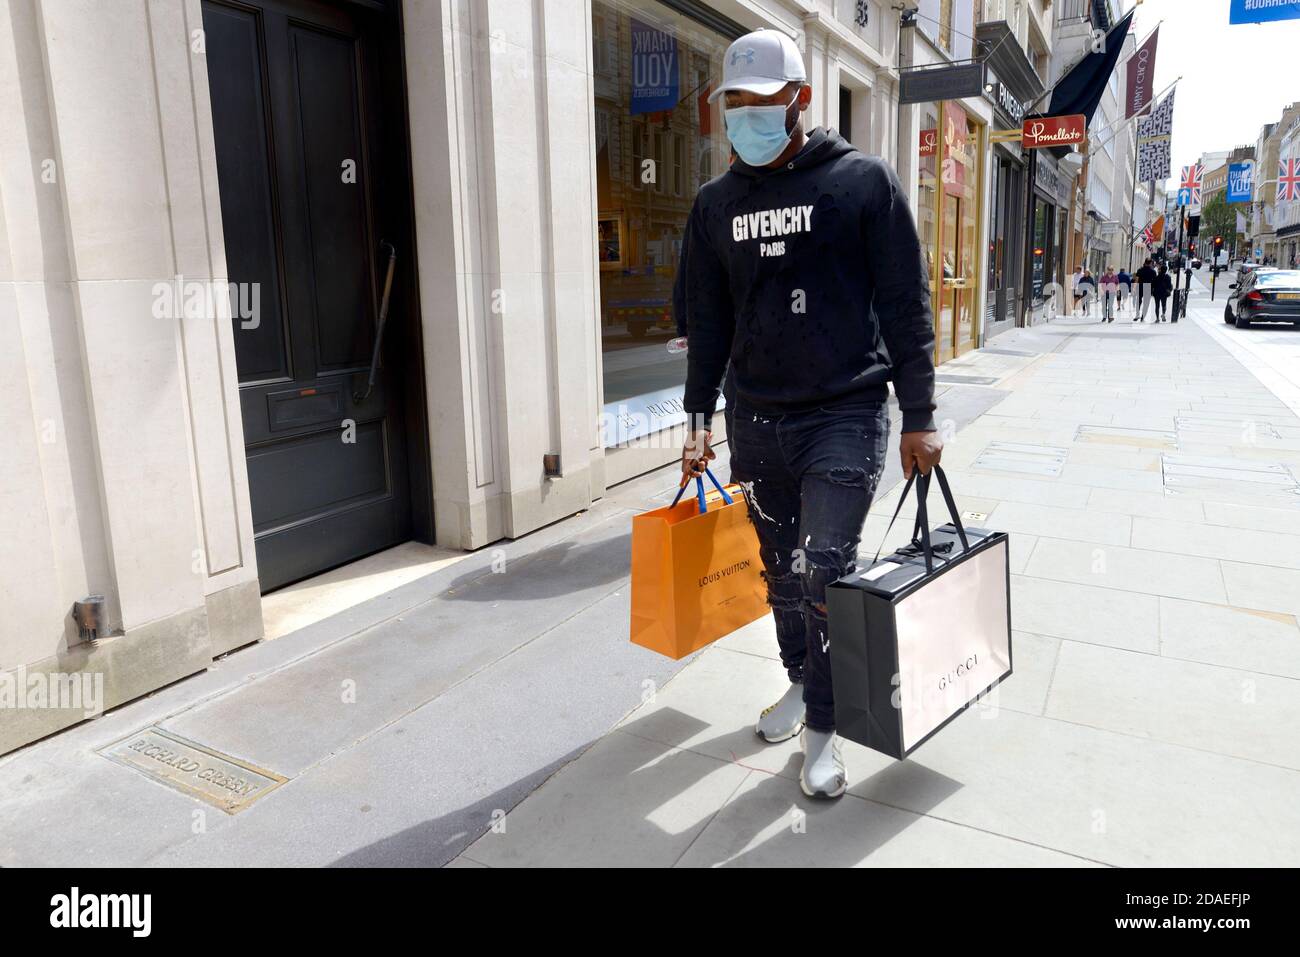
(1149,483)
(494,713)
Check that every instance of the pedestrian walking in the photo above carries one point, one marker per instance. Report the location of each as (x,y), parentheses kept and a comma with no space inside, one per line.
(1076,289)
(1161,290)
(1125,283)
(1109,287)
(1087,291)
(1146,278)
(805,270)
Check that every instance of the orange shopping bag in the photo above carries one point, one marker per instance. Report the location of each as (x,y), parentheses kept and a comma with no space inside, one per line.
(695,572)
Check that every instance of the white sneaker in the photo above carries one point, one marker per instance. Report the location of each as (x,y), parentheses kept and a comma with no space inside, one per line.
(783,720)
(823,774)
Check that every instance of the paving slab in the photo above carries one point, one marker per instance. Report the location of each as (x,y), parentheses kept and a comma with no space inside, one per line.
(1252,640)
(354,687)
(1085,612)
(764,825)
(1115,798)
(628,802)
(1104,528)
(1128,569)
(1218,541)
(1207,707)
(419,791)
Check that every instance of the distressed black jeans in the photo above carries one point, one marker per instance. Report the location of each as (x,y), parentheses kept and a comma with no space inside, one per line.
(808,479)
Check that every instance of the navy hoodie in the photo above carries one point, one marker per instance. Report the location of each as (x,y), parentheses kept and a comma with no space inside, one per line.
(810,278)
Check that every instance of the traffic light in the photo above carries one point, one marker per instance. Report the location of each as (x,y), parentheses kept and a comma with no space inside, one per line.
(1218,244)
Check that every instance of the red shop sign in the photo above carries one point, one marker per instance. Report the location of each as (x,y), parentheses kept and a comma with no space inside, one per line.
(1053,131)
(929,142)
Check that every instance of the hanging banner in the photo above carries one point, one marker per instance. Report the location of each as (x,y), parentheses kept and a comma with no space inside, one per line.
(1153,141)
(1241,181)
(706,111)
(1141,77)
(654,69)
(1053,131)
(1263,11)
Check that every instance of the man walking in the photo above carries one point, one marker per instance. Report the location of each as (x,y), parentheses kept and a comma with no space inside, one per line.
(1109,286)
(1146,281)
(805,272)
(1123,283)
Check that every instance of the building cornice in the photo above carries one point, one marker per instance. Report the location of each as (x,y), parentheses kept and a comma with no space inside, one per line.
(829,30)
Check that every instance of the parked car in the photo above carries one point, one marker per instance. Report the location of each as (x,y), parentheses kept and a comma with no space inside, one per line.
(1264,295)
(1249,267)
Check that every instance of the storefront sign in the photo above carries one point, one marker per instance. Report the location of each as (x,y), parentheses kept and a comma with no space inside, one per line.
(1000,95)
(929,142)
(1045,179)
(929,84)
(1050,182)
(1053,131)
(627,420)
(1262,11)
(654,69)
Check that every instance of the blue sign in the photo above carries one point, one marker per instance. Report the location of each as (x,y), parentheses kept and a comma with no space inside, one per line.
(1185,196)
(654,69)
(1263,11)
(1240,182)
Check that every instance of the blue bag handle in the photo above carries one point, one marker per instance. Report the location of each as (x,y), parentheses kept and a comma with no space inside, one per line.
(699,490)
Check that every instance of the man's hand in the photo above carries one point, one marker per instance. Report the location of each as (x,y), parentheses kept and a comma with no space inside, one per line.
(696,455)
(920,449)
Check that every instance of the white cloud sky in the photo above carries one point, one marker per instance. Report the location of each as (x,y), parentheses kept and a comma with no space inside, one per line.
(1235,78)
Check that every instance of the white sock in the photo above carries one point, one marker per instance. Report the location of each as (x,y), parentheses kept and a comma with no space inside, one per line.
(786,712)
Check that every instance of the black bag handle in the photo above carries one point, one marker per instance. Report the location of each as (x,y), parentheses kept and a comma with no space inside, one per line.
(922,516)
(921,529)
(901,499)
(952,507)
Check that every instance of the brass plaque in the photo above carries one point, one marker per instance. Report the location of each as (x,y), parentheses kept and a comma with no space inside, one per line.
(218,779)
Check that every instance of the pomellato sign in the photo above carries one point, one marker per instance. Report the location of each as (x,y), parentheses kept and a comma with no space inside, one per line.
(1053,131)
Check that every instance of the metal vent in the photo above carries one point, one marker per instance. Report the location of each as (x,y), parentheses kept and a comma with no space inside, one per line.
(1017,457)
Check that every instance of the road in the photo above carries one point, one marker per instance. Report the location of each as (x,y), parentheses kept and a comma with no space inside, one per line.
(1271,351)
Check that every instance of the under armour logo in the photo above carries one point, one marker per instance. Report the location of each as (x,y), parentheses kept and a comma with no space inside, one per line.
(748,55)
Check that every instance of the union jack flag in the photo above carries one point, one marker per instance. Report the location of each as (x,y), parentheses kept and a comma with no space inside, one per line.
(1191,179)
(1288,180)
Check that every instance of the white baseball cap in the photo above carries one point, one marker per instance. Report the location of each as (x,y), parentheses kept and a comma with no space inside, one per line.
(761,62)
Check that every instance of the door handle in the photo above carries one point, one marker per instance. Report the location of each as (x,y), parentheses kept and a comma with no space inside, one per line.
(383,321)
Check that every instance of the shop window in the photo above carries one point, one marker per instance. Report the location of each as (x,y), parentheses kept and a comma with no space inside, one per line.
(651,88)
(948,216)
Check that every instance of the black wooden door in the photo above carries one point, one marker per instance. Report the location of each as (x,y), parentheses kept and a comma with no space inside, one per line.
(297,119)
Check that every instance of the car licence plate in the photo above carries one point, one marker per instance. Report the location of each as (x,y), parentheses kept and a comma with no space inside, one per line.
(1288,295)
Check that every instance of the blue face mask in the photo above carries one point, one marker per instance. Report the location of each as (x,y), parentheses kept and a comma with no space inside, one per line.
(759,133)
